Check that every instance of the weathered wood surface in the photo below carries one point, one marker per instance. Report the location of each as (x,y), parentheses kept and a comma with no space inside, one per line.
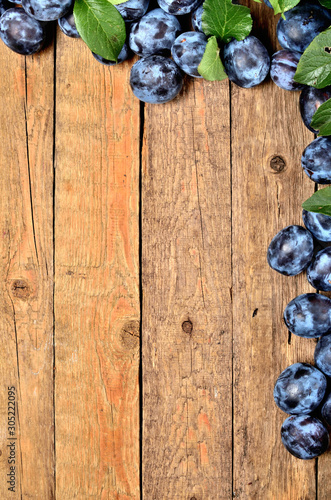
(186,282)
(212,337)
(97,310)
(26,303)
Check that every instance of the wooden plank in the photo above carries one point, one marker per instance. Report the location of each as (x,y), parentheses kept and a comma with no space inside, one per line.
(267,196)
(26,177)
(97,278)
(186,278)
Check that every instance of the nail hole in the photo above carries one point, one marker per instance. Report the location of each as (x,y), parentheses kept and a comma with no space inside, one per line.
(277,164)
(187,327)
(255,312)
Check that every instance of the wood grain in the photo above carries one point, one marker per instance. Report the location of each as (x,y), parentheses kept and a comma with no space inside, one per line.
(97,278)
(186,278)
(267,196)
(26,184)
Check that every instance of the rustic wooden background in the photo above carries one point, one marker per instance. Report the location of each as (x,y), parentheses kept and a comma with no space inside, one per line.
(140,322)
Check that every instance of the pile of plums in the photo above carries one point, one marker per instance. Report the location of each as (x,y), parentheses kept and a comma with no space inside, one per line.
(168,51)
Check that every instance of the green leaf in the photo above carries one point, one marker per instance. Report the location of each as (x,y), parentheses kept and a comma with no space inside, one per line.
(211,66)
(322,119)
(325,3)
(101,27)
(281,6)
(117,2)
(225,20)
(320,202)
(314,67)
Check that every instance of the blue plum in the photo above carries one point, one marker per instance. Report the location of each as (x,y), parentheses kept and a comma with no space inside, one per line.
(318,224)
(308,315)
(319,271)
(300,389)
(68,26)
(156,79)
(283,67)
(154,33)
(132,10)
(304,436)
(302,24)
(196,19)
(179,7)
(47,10)
(291,250)
(123,56)
(187,51)
(20,32)
(316,160)
(322,354)
(326,409)
(310,101)
(246,62)
(268,4)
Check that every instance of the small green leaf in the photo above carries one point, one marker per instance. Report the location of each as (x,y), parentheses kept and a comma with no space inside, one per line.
(211,66)
(314,67)
(225,20)
(320,202)
(325,3)
(101,27)
(322,119)
(281,6)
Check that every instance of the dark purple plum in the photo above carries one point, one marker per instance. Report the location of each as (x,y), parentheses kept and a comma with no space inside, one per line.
(123,56)
(246,62)
(20,32)
(196,19)
(154,33)
(47,10)
(300,389)
(4,5)
(179,7)
(187,51)
(132,10)
(291,250)
(316,160)
(302,24)
(304,436)
(322,354)
(326,409)
(310,101)
(319,271)
(283,67)
(156,79)
(308,315)
(318,224)
(68,26)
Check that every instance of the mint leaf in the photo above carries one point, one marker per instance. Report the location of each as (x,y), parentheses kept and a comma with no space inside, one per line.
(320,202)
(101,27)
(225,20)
(314,67)
(325,3)
(211,66)
(322,118)
(281,6)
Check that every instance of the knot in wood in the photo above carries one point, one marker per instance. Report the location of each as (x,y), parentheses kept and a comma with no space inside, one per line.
(193,498)
(277,164)
(130,335)
(187,326)
(20,289)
